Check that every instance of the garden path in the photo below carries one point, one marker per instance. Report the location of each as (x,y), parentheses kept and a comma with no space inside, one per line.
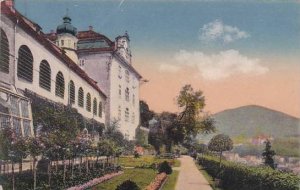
(190,178)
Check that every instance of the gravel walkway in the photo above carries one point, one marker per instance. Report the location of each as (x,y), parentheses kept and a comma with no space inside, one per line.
(190,178)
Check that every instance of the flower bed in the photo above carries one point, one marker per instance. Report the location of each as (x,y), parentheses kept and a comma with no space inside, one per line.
(158,181)
(96,181)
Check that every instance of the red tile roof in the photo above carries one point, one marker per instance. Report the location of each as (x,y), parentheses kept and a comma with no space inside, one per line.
(34,30)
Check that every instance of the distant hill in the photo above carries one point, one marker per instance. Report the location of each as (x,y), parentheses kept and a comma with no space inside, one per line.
(252,120)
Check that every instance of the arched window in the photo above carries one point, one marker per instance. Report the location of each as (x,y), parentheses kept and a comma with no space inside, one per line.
(25,64)
(95,106)
(45,75)
(88,102)
(127,76)
(126,114)
(127,94)
(80,97)
(71,92)
(60,85)
(4,53)
(100,109)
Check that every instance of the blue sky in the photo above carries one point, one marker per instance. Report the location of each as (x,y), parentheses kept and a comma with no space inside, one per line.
(273,28)
(237,52)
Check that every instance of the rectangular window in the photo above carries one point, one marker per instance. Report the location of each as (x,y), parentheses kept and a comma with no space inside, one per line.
(62,42)
(26,127)
(24,109)
(14,106)
(120,91)
(17,126)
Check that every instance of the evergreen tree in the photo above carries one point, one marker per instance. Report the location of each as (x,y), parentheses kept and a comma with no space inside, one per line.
(268,155)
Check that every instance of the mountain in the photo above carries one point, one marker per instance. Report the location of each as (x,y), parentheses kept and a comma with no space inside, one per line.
(252,120)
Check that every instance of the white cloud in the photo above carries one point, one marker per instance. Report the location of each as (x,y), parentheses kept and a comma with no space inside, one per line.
(217,30)
(169,68)
(216,66)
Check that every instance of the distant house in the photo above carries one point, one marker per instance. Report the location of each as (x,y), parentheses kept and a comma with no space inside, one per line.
(261,139)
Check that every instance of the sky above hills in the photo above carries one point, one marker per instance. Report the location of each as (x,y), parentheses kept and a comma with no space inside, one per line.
(236,52)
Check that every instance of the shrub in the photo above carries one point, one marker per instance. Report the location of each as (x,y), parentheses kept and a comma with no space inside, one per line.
(136,154)
(128,185)
(165,167)
(237,176)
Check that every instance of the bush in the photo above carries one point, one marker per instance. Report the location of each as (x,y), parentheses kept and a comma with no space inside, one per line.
(165,167)
(136,154)
(236,176)
(128,185)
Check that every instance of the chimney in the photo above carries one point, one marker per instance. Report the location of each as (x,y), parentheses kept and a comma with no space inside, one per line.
(9,3)
(90,28)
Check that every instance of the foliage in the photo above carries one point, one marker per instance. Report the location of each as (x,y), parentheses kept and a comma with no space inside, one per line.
(165,167)
(288,146)
(141,137)
(145,161)
(128,185)
(220,143)
(192,104)
(142,177)
(237,176)
(24,179)
(268,155)
(6,137)
(146,114)
(156,137)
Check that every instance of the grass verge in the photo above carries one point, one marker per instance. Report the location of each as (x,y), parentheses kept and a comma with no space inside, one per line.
(208,178)
(171,181)
(142,177)
(130,161)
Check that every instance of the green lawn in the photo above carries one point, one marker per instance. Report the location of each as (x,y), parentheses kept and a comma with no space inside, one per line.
(171,182)
(130,161)
(142,177)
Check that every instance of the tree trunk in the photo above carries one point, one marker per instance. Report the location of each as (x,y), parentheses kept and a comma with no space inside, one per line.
(87,165)
(72,172)
(80,164)
(220,159)
(13,174)
(34,173)
(64,172)
(49,173)
(21,166)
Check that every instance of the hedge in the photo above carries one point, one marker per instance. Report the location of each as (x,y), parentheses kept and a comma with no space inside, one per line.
(235,176)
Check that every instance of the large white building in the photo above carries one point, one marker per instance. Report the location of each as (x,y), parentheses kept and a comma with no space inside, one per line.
(31,62)
(71,67)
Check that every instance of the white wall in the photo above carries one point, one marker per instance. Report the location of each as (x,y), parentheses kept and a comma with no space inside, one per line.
(104,68)
(40,53)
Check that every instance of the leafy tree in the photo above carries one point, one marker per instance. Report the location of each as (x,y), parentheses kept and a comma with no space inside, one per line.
(220,143)
(156,137)
(146,114)
(191,118)
(34,150)
(268,155)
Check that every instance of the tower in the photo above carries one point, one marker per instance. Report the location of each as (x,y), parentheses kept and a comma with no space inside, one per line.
(123,46)
(66,38)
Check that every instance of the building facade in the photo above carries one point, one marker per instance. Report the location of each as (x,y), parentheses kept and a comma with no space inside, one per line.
(109,63)
(30,61)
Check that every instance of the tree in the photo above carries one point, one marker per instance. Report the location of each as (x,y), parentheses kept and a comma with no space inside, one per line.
(146,114)
(34,150)
(156,137)
(220,143)
(191,118)
(268,155)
